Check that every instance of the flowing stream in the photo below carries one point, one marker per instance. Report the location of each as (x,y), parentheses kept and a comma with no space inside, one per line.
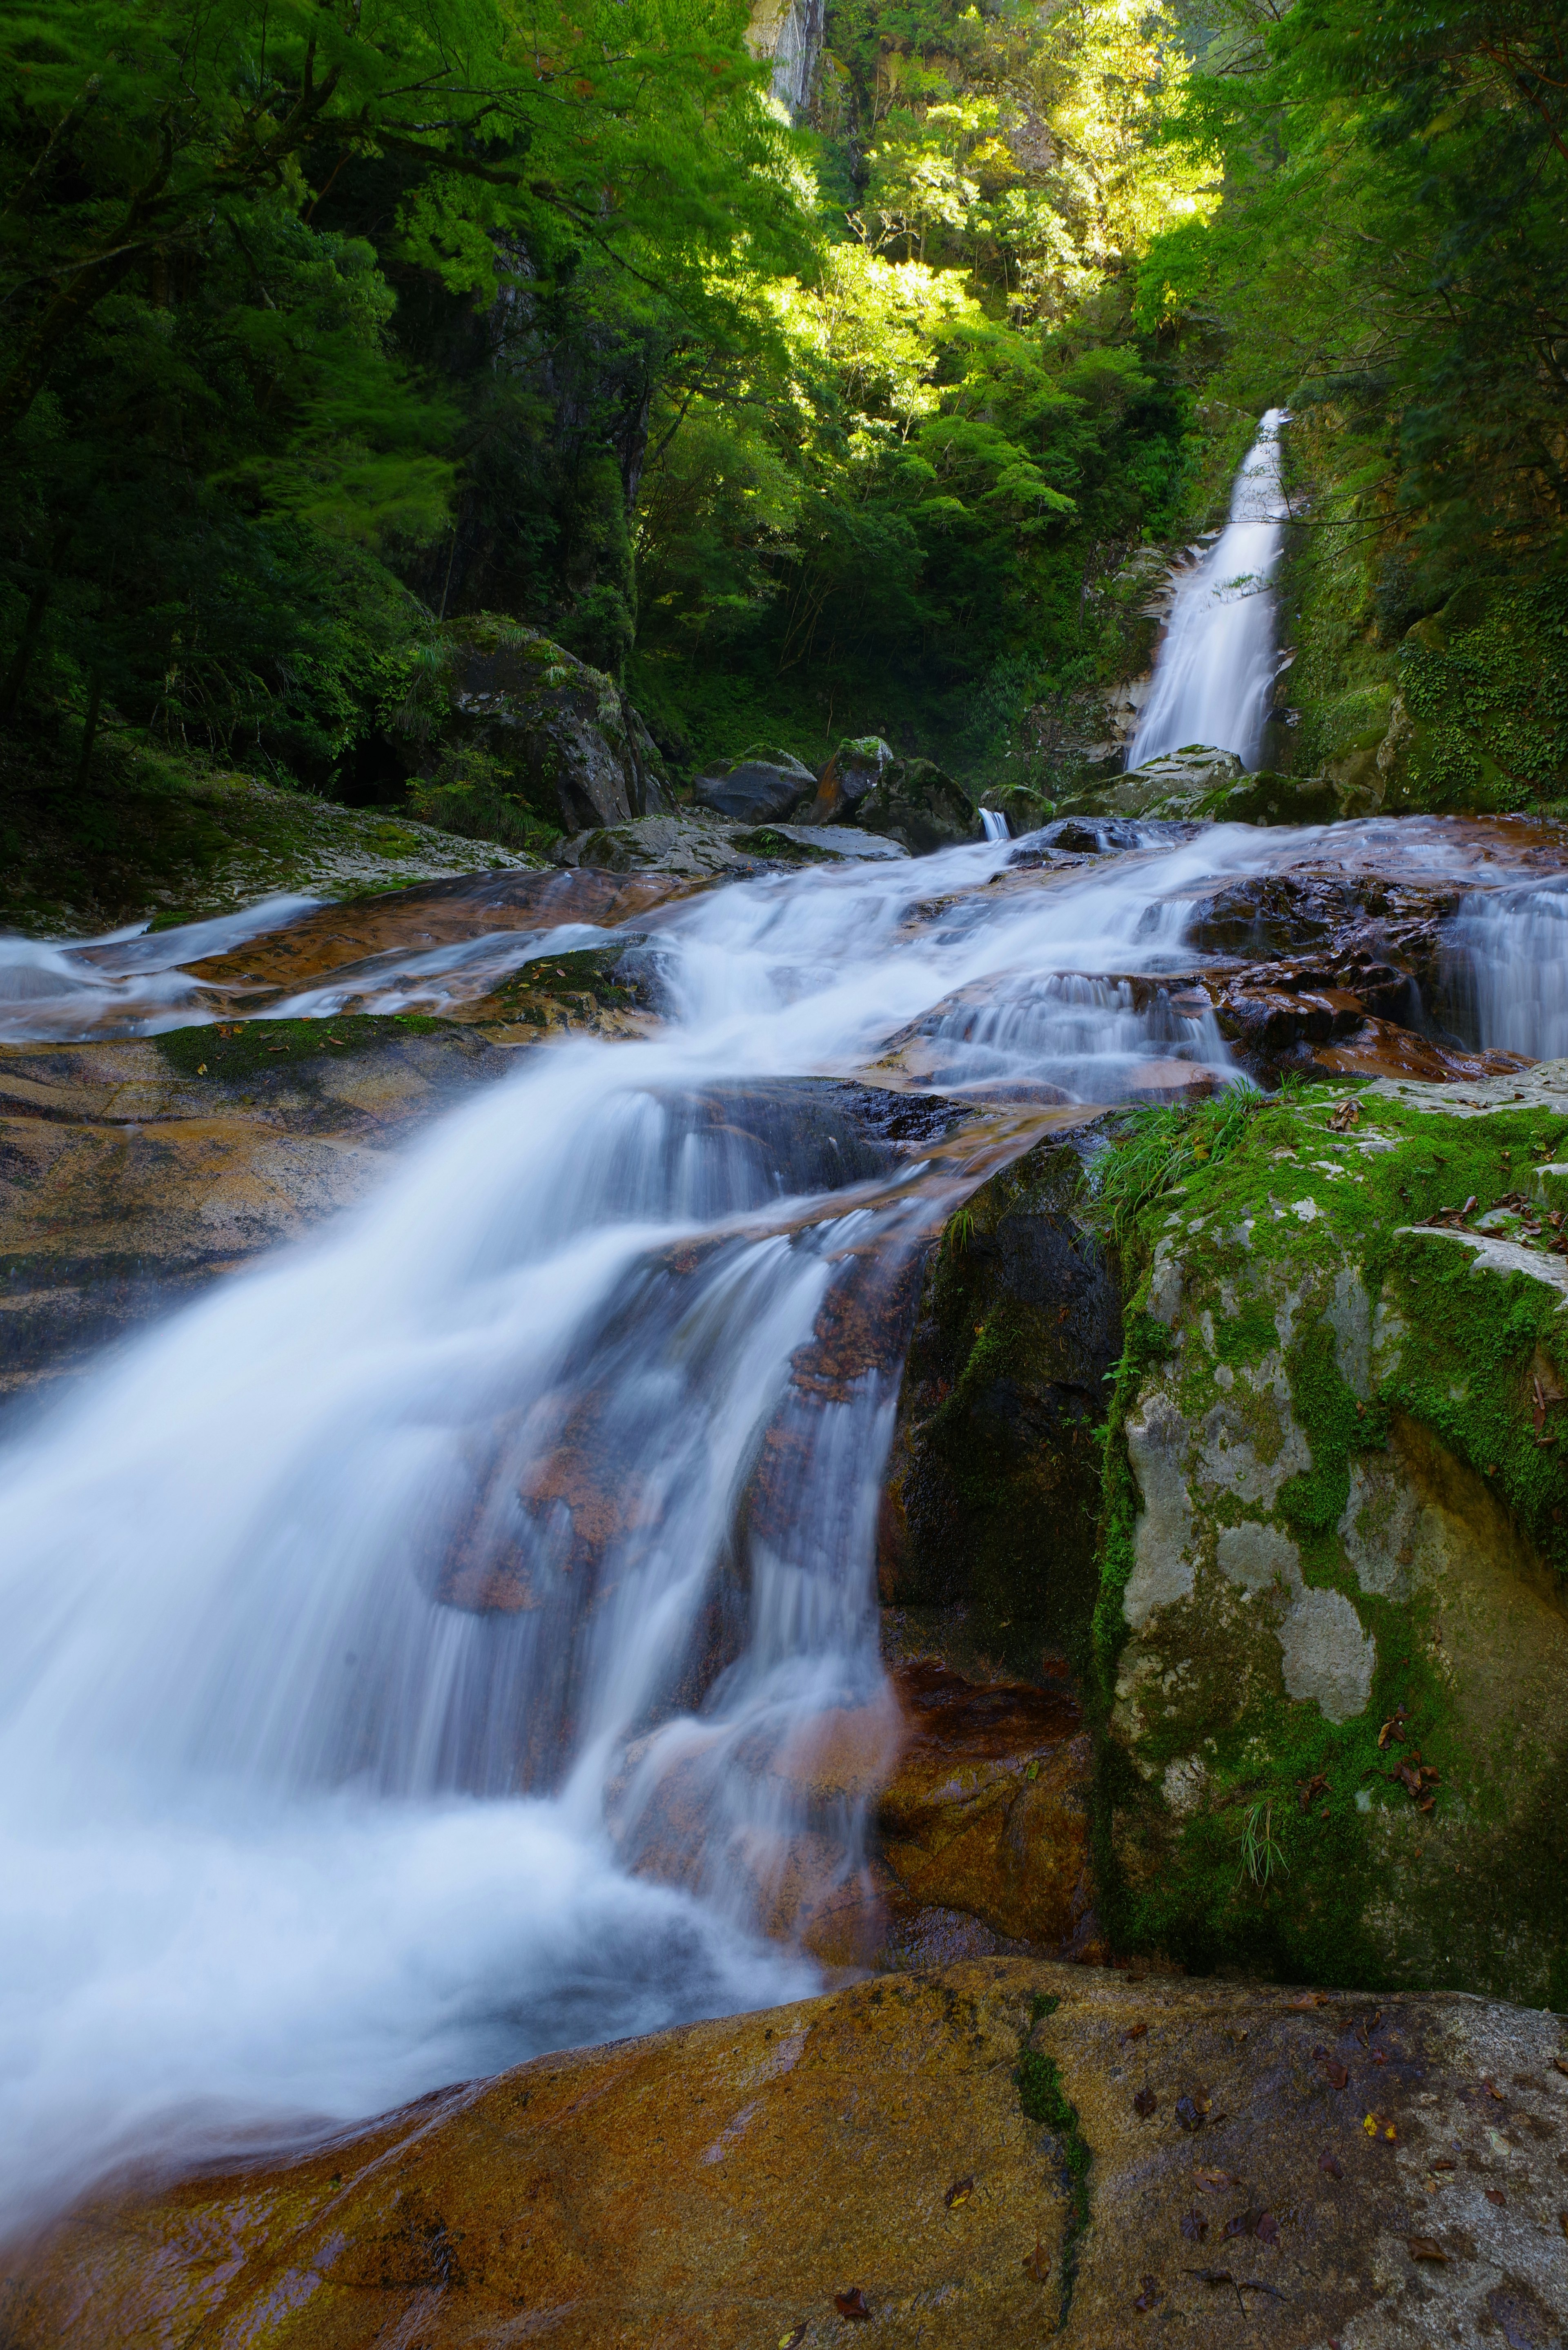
(365,1619)
(1216,667)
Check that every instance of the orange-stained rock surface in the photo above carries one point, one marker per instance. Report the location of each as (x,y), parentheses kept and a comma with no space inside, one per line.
(988,2155)
(347,942)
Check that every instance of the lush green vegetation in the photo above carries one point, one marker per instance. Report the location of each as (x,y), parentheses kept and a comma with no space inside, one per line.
(328,322)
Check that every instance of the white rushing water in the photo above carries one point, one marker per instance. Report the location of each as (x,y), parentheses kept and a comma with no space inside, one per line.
(1216,667)
(357,1615)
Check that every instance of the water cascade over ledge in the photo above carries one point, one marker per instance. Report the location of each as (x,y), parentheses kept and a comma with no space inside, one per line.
(362,1616)
(1216,667)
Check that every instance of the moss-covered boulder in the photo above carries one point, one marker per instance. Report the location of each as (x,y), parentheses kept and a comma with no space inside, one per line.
(914,802)
(856,768)
(1198,784)
(992,1484)
(512,730)
(1332,1625)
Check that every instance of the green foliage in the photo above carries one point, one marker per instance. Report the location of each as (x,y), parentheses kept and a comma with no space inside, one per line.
(1157,1148)
(1043,2100)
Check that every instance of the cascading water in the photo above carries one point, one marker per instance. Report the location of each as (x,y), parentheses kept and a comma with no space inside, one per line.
(994,824)
(369,1620)
(1217,666)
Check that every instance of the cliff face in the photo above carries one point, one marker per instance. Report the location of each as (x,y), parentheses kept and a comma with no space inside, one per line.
(789,32)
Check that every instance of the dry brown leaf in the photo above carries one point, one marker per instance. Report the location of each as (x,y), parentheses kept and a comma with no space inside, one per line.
(1425,2248)
(1037,2263)
(851,2303)
(959,2192)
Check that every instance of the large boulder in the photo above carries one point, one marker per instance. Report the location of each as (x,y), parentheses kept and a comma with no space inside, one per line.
(511,729)
(692,845)
(760,787)
(983,2155)
(1333,1624)
(911,801)
(856,768)
(915,802)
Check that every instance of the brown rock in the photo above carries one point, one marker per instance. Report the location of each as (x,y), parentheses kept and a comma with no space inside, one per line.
(729,2183)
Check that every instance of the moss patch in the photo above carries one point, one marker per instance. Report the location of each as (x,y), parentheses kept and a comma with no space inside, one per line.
(249,1048)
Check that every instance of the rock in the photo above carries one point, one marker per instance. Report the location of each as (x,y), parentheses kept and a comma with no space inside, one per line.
(1174,784)
(914,802)
(1273,799)
(856,768)
(134,1172)
(760,786)
(553,736)
(993,1481)
(694,845)
(982,2155)
(1025,809)
(1334,1616)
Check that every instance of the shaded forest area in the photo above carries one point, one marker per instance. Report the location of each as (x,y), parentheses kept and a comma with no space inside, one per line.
(328,323)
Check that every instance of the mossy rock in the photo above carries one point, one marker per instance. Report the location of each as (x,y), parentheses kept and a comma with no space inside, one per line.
(233,1050)
(1332,1631)
(503,712)
(915,802)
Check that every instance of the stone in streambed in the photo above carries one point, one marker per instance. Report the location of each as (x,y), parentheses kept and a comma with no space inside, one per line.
(976,2155)
(911,801)
(761,786)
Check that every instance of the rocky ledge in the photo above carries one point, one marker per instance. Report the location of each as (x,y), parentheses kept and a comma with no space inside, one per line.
(985,2154)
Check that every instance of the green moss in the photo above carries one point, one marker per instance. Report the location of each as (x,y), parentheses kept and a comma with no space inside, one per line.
(1043,2100)
(249,1048)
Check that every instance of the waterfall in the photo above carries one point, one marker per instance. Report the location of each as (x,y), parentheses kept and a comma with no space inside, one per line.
(995,825)
(1217,666)
(405,1642)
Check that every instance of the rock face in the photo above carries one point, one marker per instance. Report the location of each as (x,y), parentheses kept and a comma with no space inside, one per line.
(993,1486)
(789,34)
(856,768)
(991,2153)
(759,788)
(548,732)
(1333,1615)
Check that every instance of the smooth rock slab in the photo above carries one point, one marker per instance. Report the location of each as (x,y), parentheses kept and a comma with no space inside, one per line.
(1384,2175)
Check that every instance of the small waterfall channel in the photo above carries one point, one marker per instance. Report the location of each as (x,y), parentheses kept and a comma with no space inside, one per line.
(409,1644)
(1217,665)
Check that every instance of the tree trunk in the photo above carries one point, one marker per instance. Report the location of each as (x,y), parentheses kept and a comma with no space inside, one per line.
(90,732)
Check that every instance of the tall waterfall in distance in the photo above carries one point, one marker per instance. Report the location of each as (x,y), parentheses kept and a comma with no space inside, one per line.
(1215,669)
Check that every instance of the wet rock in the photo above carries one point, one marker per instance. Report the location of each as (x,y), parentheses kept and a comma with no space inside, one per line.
(979,2155)
(134,1172)
(759,788)
(1334,1613)
(992,1480)
(555,735)
(697,846)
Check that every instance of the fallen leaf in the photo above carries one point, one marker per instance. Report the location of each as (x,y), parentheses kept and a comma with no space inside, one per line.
(1268,2230)
(1329,2164)
(1375,2126)
(788,2341)
(1560,2063)
(1379,2056)
(1493,2091)
(1195,2228)
(1037,2263)
(851,2303)
(1335,2074)
(1241,2223)
(1190,2111)
(1347,1115)
(201,1068)
(1309,1999)
(1442,2163)
(1134,2031)
(1563,2221)
(1216,2181)
(1311,1789)
(1425,2248)
(959,2192)
(1153,2291)
(1145,2101)
(1495,2195)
